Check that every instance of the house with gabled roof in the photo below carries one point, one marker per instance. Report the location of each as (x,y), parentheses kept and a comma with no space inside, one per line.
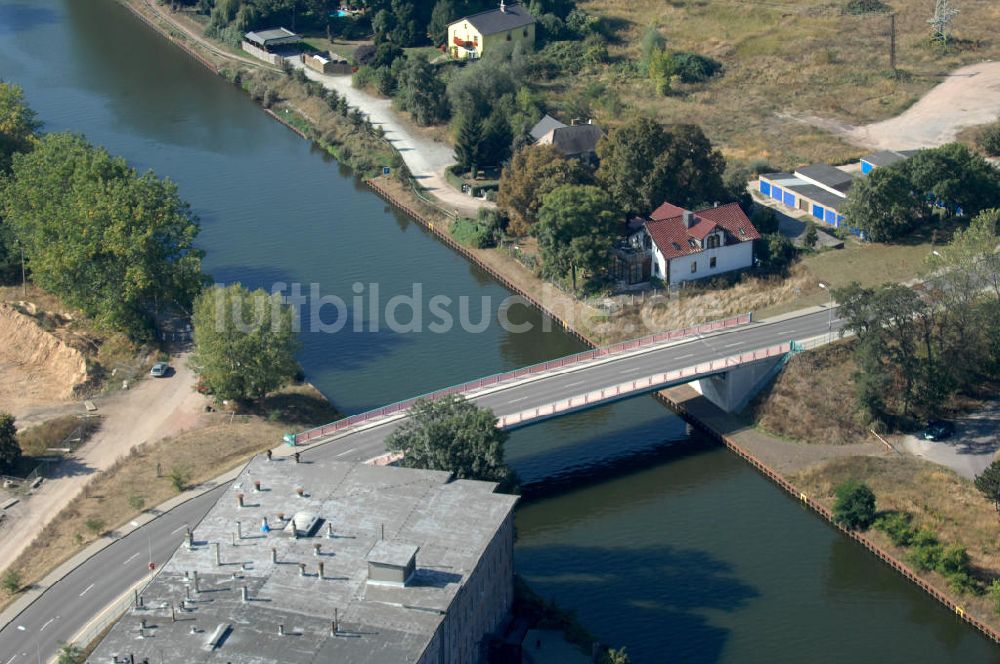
(470,36)
(688,245)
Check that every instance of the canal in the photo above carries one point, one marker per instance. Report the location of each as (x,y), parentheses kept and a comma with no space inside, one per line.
(658,541)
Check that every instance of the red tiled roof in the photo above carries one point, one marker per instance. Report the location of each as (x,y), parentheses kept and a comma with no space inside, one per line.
(672,238)
(666,211)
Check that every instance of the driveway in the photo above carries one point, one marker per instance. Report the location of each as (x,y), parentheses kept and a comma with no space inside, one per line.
(426,158)
(154,409)
(970,450)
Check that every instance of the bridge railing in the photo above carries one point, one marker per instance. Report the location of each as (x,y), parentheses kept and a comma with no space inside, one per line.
(645,384)
(516,374)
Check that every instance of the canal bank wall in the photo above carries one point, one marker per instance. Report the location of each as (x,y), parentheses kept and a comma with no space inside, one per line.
(698,412)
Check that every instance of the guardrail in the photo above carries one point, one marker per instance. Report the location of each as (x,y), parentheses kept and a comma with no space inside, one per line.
(647,384)
(110,615)
(551,365)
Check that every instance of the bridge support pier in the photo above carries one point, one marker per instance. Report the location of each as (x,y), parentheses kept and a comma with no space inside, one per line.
(732,391)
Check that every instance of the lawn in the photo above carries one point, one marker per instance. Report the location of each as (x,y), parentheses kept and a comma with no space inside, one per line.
(784,60)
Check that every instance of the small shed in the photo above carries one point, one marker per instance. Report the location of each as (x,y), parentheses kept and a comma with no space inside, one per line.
(274,38)
(327,63)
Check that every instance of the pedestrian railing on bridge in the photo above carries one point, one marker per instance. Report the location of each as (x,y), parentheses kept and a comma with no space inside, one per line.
(641,385)
(517,374)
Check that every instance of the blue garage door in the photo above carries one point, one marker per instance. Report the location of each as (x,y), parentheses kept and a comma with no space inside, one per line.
(818,211)
(765,188)
(789,199)
(776,193)
(830,217)
(866,168)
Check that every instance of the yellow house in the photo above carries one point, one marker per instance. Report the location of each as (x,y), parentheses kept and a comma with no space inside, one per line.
(468,37)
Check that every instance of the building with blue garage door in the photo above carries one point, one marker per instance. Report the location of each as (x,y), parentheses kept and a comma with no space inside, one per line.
(819,190)
(884,158)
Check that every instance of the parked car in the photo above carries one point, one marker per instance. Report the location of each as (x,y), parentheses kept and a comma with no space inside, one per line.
(938,430)
(159,370)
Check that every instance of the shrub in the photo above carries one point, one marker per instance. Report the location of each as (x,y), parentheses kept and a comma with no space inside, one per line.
(994,593)
(11,581)
(94,525)
(693,67)
(178,479)
(925,551)
(136,502)
(765,220)
(898,526)
(866,7)
(472,232)
(989,140)
(855,505)
(811,237)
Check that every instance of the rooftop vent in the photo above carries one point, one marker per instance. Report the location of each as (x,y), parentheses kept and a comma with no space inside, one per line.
(392,563)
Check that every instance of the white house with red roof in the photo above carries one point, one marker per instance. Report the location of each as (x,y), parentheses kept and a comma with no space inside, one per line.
(688,245)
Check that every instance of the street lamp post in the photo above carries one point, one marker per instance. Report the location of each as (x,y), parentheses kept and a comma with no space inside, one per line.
(829,328)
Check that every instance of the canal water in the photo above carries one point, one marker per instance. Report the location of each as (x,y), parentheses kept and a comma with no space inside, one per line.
(658,541)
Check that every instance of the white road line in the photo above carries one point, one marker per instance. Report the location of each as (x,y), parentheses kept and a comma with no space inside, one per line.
(683,357)
(627,371)
(85,590)
(178,529)
(347,452)
(46,624)
(579,382)
(517,399)
(737,343)
(132,557)
(11,659)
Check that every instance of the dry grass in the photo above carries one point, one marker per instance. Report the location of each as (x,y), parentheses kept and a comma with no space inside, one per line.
(113,497)
(37,440)
(784,58)
(937,498)
(813,400)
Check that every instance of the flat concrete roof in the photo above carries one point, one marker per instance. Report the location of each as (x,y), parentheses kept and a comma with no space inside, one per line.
(450,522)
(826,175)
(888,157)
(273,37)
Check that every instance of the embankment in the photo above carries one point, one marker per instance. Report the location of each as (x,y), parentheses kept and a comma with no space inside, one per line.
(36,367)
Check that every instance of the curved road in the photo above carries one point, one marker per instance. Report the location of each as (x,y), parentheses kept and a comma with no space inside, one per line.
(68,605)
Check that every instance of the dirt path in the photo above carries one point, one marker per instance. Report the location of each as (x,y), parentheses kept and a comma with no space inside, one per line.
(968,97)
(152,410)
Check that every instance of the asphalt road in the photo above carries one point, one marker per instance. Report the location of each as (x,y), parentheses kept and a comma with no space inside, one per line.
(63,609)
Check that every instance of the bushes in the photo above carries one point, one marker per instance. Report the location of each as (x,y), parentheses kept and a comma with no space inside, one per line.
(693,67)
(480,232)
(855,505)
(927,554)
(989,139)
(858,7)
(898,526)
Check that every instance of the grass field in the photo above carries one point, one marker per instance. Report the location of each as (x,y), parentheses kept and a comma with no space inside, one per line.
(784,59)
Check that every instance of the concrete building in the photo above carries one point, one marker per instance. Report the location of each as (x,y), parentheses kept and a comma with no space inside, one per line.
(688,245)
(884,158)
(471,36)
(330,562)
(270,45)
(327,63)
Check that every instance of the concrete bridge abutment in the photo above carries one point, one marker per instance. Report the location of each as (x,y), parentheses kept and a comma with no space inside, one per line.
(732,391)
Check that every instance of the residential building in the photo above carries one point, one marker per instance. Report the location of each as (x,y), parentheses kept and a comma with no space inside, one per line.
(688,245)
(330,562)
(471,36)
(578,140)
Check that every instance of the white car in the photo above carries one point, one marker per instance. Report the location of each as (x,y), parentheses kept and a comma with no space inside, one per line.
(159,370)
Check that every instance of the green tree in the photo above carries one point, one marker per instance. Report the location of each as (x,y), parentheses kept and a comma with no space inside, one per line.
(455,435)
(661,68)
(811,237)
(245,342)
(884,205)
(643,165)
(988,483)
(497,140)
(989,140)
(18,124)
(71,654)
(444,12)
(855,505)
(116,244)
(775,253)
(468,142)
(533,172)
(576,228)
(955,177)
(10,450)
(422,93)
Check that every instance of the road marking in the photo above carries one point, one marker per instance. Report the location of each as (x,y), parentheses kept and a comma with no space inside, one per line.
(579,382)
(11,659)
(737,343)
(517,399)
(85,590)
(627,371)
(683,357)
(46,624)
(132,557)
(178,529)
(347,452)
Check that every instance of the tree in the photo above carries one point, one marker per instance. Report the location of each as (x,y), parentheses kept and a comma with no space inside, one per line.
(855,505)
(988,483)
(444,12)
(989,140)
(455,435)
(11,581)
(944,14)
(243,359)
(811,237)
(575,229)
(468,141)
(774,252)
(533,172)
(422,93)
(116,244)
(643,165)
(496,142)
(71,654)
(954,177)
(884,205)
(17,124)
(10,450)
